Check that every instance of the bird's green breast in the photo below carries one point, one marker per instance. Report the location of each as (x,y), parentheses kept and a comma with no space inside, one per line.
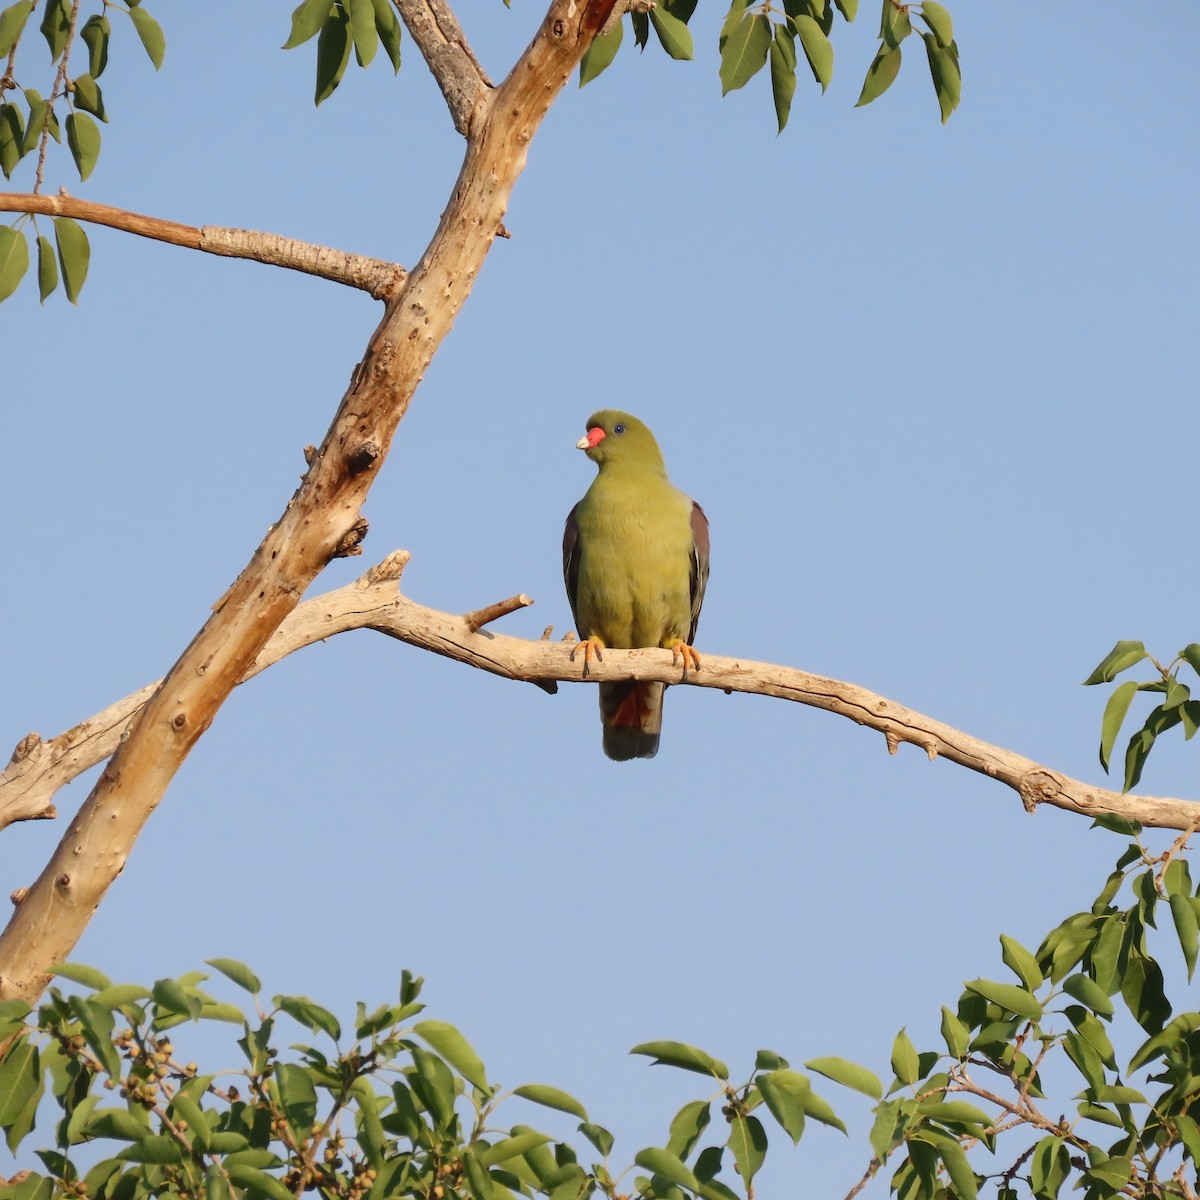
(635,549)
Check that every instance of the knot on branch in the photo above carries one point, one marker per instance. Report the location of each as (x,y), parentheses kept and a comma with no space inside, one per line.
(350,543)
(1038,787)
(392,567)
(25,747)
(362,457)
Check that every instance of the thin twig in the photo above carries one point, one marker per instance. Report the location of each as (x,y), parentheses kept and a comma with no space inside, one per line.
(485,616)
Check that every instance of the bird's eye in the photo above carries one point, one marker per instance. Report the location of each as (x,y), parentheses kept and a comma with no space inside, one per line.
(618,429)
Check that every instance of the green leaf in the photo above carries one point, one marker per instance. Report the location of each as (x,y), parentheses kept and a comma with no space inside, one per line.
(938,20)
(1142,991)
(748,1141)
(1007,995)
(12,138)
(1088,993)
(1187,929)
(784,1092)
(1115,712)
(216,1185)
(551,1097)
(1021,962)
(362,31)
(79,973)
(887,1130)
(85,92)
(117,1123)
(258,1181)
(12,1016)
(600,54)
(157,1148)
(56,25)
(12,23)
(881,74)
(237,972)
(151,34)
(849,1075)
(1142,742)
(955,1034)
(434,1086)
(598,1136)
(894,25)
(1189,1135)
(944,71)
(14,260)
(313,1016)
(387,25)
(744,51)
(1120,658)
(848,8)
(1181,1027)
(508,1148)
(817,49)
(83,137)
(95,33)
(675,36)
(297,1097)
(307,19)
(966,1186)
(783,74)
(185,1108)
(333,53)
(478,1180)
(20,1088)
(454,1048)
(956,1112)
(688,1124)
(688,1058)
(663,1163)
(74,255)
(905,1063)
(169,994)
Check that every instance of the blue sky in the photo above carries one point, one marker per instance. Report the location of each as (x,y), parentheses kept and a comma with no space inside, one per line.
(935,387)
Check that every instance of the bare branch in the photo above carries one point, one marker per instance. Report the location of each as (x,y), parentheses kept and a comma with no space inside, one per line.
(443,45)
(372,275)
(374,602)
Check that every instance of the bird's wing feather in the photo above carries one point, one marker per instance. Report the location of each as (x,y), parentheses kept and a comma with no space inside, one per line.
(571,565)
(699,577)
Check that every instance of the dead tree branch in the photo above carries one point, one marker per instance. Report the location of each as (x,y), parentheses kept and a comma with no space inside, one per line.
(377,278)
(443,45)
(375,602)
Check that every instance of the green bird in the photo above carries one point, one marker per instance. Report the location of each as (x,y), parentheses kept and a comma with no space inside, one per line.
(635,561)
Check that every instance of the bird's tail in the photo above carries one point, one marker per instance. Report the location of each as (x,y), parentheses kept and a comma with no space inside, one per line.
(632,717)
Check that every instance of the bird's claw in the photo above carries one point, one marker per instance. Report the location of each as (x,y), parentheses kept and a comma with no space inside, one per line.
(591,647)
(681,650)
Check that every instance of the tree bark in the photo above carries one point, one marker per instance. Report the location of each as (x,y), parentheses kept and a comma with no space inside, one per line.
(321,521)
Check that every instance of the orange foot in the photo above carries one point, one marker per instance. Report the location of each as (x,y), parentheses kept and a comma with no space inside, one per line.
(681,650)
(591,647)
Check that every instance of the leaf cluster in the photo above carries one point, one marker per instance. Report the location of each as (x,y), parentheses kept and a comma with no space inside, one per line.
(1176,707)
(401,1105)
(757,32)
(29,121)
(339,27)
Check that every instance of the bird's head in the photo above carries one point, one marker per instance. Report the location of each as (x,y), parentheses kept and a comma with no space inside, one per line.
(615,437)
